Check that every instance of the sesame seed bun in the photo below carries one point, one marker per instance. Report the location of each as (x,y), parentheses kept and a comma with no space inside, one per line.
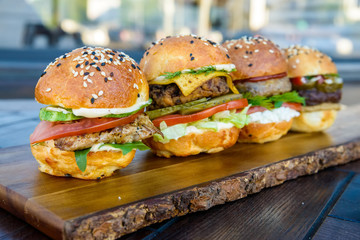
(306,61)
(255,57)
(56,162)
(178,53)
(261,133)
(195,143)
(92,78)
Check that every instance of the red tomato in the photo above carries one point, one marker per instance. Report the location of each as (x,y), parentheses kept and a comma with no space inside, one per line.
(52,130)
(174,119)
(297,81)
(294,106)
(256,109)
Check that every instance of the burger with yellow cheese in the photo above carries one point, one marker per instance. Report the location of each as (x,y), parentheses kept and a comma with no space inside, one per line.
(195,103)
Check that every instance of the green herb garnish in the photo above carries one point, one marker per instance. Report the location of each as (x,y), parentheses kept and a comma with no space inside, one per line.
(81,158)
(127,147)
(207,70)
(274,101)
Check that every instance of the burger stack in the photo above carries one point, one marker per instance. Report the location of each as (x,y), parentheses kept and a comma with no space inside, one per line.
(198,96)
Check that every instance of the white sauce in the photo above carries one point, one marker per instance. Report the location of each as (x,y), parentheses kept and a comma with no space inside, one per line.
(219,67)
(274,115)
(55,109)
(96,148)
(220,125)
(100,112)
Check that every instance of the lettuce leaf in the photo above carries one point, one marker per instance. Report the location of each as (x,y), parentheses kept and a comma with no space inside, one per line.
(81,158)
(81,155)
(239,119)
(173,132)
(127,147)
(274,101)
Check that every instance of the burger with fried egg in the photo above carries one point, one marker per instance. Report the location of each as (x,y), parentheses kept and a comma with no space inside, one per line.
(194,100)
(94,121)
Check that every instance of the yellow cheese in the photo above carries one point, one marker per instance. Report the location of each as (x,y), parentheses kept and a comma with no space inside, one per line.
(188,82)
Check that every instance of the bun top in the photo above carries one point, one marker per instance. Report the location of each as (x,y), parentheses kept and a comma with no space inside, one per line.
(306,61)
(92,78)
(172,54)
(255,57)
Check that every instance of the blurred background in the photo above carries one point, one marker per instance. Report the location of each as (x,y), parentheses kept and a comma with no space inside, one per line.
(34,32)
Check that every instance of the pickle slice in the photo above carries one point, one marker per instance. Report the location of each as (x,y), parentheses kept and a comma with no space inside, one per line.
(52,116)
(173,109)
(211,103)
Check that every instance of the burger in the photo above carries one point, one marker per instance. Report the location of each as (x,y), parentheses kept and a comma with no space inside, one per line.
(195,104)
(314,76)
(94,121)
(261,77)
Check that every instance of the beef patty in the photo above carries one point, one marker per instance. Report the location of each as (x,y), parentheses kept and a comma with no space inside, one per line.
(265,88)
(315,97)
(170,95)
(138,130)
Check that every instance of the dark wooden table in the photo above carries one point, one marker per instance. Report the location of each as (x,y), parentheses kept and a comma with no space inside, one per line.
(322,206)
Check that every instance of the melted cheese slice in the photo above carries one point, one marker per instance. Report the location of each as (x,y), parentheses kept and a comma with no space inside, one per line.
(188,82)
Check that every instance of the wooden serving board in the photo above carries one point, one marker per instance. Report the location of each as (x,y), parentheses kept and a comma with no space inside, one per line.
(152,189)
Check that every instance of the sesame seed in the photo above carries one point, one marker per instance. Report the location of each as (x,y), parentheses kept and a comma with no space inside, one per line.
(58,65)
(82,66)
(87,68)
(138,94)
(86,73)
(75,74)
(136,86)
(256,50)
(271,51)
(192,58)
(103,64)
(297,61)
(105,79)
(110,78)
(133,66)
(82,73)
(100,93)
(97,68)
(89,80)
(111,74)
(190,54)
(92,100)
(94,96)
(78,65)
(192,41)
(111,59)
(43,74)
(130,70)
(294,66)
(92,74)
(250,65)
(147,53)
(91,64)
(103,73)
(138,67)
(245,56)
(48,90)
(86,63)
(84,84)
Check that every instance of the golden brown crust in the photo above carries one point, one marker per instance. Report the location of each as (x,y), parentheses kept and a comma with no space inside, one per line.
(305,61)
(194,143)
(255,57)
(314,121)
(62,163)
(174,54)
(261,133)
(64,82)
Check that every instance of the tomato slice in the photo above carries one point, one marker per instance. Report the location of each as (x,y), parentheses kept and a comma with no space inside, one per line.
(52,130)
(297,81)
(174,119)
(292,105)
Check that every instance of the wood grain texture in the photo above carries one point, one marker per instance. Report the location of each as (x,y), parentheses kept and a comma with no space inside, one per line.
(284,212)
(153,189)
(337,229)
(348,206)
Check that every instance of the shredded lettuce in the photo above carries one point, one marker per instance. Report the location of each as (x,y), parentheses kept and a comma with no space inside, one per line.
(239,120)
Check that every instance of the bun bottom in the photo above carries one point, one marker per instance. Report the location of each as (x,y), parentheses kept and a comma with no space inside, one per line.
(195,143)
(314,121)
(264,132)
(101,164)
